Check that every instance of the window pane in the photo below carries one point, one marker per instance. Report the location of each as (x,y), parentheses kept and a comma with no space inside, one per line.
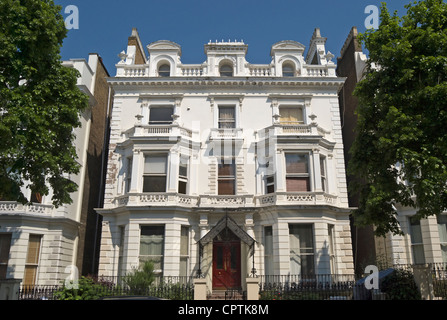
(233,258)
(226,71)
(301,249)
(268,250)
(5,244)
(184,241)
(183,266)
(152,245)
(418,254)
(164,70)
(416,241)
(226,169)
(219,258)
(154,184)
(155,164)
(290,115)
(160,115)
(288,70)
(442,227)
(33,249)
(226,187)
(182,187)
(444,252)
(183,169)
(297,184)
(30,276)
(415,231)
(296,163)
(227,118)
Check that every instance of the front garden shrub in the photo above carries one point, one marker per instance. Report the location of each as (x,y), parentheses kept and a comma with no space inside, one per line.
(400,285)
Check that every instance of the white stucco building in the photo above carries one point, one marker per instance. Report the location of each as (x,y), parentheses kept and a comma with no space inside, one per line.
(213,162)
(44,245)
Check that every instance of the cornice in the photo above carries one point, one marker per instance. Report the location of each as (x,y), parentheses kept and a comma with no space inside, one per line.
(234,82)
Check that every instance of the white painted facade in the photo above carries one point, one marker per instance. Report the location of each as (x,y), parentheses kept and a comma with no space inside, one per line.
(54,230)
(256,95)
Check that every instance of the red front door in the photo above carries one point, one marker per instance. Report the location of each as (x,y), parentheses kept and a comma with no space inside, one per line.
(226,264)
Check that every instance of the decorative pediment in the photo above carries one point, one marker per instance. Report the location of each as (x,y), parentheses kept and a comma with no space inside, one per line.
(227,222)
(162,45)
(287,45)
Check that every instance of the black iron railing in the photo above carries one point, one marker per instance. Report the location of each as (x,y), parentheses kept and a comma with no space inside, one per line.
(173,288)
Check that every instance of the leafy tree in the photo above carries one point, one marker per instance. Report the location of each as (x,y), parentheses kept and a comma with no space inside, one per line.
(40,103)
(400,151)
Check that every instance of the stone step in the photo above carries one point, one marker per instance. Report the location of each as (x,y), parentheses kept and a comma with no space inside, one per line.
(220,295)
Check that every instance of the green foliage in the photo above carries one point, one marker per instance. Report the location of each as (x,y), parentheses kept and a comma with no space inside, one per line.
(40,103)
(85,289)
(139,280)
(401,286)
(400,150)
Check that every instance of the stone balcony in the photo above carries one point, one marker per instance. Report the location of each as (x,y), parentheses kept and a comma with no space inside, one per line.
(225,201)
(34,209)
(145,130)
(280,129)
(226,134)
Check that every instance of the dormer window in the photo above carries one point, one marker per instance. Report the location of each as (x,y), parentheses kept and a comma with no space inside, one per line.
(288,69)
(164,70)
(226,70)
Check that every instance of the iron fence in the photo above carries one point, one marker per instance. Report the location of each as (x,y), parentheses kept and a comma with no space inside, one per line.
(308,287)
(342,287)
(172,288)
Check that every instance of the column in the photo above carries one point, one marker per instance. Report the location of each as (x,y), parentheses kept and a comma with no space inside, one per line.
(173,167)
(280,171)
(317,172)
(137,170)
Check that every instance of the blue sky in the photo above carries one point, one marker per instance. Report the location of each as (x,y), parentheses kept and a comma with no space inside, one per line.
(104,26)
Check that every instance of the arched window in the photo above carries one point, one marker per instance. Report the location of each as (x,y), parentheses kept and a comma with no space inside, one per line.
(164,70)
(226,70)
(288,69)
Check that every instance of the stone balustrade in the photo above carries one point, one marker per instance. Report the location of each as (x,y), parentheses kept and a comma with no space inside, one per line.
(200,70)
(13,207)
(226,201)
